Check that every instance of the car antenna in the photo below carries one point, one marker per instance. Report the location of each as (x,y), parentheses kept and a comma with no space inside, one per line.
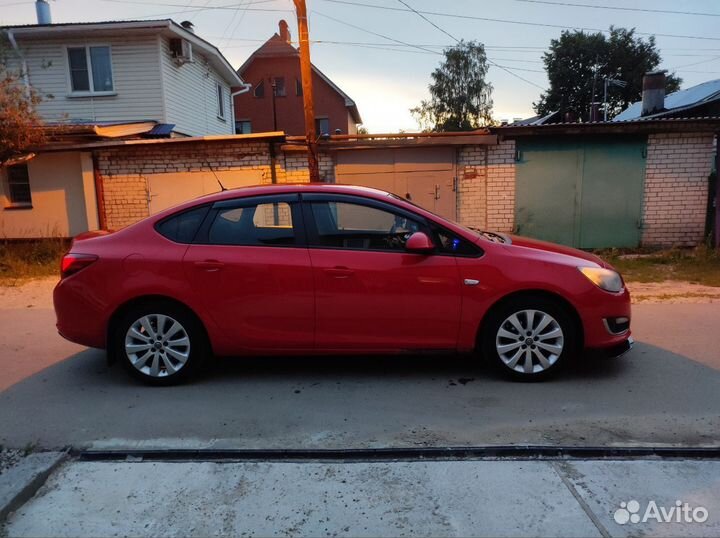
(222,187)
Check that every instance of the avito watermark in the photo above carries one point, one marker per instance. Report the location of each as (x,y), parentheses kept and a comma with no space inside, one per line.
(681,512)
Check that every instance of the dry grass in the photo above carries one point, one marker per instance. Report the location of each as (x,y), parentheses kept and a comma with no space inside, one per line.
(700,265)
(21,261)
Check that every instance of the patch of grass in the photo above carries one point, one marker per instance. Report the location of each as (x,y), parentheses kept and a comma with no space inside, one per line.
(700,265)
(24,260)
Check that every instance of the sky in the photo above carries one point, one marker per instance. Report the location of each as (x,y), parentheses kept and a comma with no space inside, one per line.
(383,58)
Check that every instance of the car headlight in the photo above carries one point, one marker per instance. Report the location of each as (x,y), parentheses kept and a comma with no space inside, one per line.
(605,279)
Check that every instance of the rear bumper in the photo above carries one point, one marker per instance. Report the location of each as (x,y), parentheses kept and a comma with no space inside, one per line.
(79,315)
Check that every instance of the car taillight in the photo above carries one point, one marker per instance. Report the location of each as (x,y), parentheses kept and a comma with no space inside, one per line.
(72,263)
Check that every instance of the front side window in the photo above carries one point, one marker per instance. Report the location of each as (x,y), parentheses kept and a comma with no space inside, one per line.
(220,101)
(19,185)
(359,227)
(254,225)
(90,69)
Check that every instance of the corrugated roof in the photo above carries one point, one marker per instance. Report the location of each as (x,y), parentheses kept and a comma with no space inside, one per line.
(696,95)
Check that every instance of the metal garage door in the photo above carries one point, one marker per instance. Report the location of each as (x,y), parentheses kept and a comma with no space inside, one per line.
(424,176)
(586,194)
(167,190)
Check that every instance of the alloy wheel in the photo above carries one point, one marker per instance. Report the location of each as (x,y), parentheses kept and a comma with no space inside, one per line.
(157,345)
(529,341)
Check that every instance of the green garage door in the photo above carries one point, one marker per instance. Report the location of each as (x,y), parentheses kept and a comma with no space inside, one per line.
(586,194)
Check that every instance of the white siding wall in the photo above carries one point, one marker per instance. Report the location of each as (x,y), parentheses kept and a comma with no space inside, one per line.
(190,95)
(136,75)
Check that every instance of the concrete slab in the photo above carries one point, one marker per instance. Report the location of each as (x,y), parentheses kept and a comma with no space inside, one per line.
(603,485)
(20,482)
(497,498)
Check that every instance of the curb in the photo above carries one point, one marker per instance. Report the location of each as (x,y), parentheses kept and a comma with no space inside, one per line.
(19,483)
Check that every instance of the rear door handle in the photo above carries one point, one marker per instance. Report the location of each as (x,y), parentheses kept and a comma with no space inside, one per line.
(209,265)
(339,272)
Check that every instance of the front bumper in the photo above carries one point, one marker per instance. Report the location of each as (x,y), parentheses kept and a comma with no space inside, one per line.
(617,350)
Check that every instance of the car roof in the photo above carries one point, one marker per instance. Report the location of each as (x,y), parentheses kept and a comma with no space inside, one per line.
(283,188)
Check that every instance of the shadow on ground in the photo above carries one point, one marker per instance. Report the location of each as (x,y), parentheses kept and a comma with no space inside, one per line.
(650,396)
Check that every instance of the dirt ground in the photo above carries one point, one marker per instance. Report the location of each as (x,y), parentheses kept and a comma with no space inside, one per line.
(38,293)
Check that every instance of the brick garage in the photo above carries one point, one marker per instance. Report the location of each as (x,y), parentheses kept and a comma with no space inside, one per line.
(674,200)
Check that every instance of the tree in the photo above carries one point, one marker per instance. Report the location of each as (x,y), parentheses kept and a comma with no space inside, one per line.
(578,62)
(460,97)
(20,124)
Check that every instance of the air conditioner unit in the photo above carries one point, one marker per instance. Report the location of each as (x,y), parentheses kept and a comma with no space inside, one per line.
(181,50)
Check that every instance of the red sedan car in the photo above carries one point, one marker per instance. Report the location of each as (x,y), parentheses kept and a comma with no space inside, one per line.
(317,268)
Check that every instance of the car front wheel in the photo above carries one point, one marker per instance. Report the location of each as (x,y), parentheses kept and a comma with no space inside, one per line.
(159,344)
(529,339)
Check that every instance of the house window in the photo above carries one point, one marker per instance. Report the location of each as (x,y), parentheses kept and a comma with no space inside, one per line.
(243,127)
(279,85)
(298,87)
(259,89)
(322,126)
(19,185)
(90,69)
(220,101)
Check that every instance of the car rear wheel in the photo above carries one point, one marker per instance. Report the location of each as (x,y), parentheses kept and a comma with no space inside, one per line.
(529,339)
(160,344)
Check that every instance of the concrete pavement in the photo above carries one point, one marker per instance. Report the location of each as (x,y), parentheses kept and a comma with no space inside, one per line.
(435,498)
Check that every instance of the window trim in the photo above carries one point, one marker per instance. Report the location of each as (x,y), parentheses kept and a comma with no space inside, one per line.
(296,213)
(273,82)
(7,191)
(220,98)
(261,87)
(318,119)
(88,93)
(247,120)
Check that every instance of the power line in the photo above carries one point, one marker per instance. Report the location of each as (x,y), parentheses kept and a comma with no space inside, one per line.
(511,21)
(618,8)
(507,70)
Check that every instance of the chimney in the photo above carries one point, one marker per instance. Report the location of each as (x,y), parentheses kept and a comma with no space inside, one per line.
(284,31)
(653,93)
(190,27)
(42,8)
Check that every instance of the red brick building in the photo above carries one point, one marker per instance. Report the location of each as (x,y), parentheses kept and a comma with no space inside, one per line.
(274,68)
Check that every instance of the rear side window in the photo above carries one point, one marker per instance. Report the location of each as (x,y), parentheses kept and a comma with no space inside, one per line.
(182,227)
(254,225)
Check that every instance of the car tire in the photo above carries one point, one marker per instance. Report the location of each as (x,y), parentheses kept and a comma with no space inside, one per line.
(159,343)
(529,338)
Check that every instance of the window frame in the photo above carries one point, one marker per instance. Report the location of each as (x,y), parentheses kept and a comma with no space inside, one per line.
(248,121)
(276,90)
(13,204)
(88,59)
(202,237)
(220,96)
(259,87)
(319,119)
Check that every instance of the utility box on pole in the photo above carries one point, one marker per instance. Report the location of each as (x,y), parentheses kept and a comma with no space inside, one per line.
(307,87)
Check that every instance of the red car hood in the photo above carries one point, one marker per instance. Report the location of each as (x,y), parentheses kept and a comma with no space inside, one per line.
(553,247)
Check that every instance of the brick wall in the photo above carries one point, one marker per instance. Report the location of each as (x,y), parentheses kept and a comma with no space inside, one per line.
(676,188)
(501,186)
(472,175)
(124,170)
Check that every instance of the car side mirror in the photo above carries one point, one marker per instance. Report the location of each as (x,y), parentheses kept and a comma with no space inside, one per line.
(419,243)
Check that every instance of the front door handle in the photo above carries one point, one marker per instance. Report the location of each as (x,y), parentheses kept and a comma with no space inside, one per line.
(209,265)
(339,272)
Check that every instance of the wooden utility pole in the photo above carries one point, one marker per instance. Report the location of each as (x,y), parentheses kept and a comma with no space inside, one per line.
(306,76)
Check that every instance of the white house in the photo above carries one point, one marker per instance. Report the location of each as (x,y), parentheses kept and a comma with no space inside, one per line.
(112,79)
(126,72)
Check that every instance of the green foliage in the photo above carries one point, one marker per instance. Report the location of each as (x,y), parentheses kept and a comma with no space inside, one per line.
(460,97)
(579,60)
(20,124)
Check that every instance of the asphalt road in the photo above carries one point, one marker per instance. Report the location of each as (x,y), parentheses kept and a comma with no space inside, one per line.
(666,391)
